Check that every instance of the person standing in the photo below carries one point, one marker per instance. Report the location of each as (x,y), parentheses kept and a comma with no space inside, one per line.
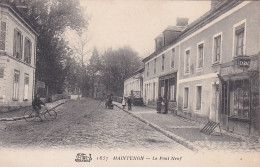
(129,103)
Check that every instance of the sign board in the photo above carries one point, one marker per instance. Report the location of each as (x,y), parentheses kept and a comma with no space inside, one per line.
(243,62)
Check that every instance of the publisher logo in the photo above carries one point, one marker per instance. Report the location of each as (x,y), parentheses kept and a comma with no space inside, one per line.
(81,157)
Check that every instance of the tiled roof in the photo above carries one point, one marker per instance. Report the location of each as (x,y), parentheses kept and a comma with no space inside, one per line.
(209,16)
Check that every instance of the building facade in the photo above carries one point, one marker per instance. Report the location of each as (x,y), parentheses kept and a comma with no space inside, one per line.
(17,58)
(161,67)
(133,85)
(217,68)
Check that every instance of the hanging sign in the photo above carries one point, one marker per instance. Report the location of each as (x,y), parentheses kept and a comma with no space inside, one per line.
(243,62)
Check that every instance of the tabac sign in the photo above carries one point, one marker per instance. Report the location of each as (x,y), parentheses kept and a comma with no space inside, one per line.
(243,62)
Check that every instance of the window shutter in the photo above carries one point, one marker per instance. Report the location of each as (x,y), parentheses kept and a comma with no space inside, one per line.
(14,47)
(21,56)
(30,52)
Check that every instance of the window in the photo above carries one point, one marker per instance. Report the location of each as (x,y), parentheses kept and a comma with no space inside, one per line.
(173,56)
(27,50)
(26,87)
(200,56)
(16,85)
(187,62)
(163,58)
(1,72)
(172,89)
(147,69)
(240,98)
(18,43)
(2,35)
(186,98)
(239,41)
(217,48)
(154,67)
(198,97)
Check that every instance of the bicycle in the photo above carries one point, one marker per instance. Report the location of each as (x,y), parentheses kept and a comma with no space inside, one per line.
(49,114)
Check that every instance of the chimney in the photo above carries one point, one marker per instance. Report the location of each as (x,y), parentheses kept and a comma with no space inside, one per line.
(214,4)
(182,21)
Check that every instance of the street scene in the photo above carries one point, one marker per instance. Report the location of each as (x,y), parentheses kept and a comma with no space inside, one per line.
(81,125)
(147,77)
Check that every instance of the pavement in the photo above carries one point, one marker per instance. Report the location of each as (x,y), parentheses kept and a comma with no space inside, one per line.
(18,113)
(188,132)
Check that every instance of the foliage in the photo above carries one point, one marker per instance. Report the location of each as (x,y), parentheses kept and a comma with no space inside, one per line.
(113,67)
(51,19)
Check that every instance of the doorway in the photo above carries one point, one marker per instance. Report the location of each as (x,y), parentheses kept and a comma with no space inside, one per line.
(214,102)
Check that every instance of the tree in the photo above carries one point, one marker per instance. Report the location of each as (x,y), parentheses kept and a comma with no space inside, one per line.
(94,68)
(52,18)
(117,66)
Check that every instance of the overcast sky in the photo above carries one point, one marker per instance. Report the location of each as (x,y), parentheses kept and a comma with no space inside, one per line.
(136,23)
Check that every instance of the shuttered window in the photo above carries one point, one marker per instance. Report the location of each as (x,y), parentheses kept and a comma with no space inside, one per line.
(18,44)
(2,35)
(27,50)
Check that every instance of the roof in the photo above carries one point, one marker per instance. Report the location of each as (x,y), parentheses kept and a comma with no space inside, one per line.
(20,16)
(140,70)
(209,16)
(175,28)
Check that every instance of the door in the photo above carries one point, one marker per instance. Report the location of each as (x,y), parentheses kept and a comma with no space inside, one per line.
(214,102)
(224,89)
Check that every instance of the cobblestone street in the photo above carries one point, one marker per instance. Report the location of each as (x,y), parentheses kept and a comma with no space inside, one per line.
(80,124)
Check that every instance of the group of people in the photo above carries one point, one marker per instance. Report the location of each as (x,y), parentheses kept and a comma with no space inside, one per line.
(129,102)
(109,102)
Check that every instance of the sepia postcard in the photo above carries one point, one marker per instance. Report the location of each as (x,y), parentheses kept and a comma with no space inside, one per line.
(110,83)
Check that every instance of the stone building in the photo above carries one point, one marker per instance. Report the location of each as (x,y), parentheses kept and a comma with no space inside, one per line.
(17,58)
(216,69)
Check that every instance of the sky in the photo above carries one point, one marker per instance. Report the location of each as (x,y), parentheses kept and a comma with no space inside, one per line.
(115,23)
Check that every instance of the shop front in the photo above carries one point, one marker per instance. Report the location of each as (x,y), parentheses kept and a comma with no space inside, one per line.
(167,90)
(239,95)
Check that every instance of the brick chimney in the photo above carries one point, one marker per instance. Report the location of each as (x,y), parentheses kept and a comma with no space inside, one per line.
(182,21)
(214,4)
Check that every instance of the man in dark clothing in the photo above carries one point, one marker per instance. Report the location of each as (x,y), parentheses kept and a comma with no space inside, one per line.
(36,103)
(129,103)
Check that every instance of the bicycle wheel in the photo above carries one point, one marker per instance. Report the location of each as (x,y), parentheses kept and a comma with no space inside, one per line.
(50,115)
(29,115)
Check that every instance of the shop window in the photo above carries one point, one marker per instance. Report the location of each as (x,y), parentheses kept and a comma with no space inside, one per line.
(187,62)
(172,89)
(198,97)
(239,99)
(18,44)
(239,40)
(217,49)
(200,56)
(26,87)
(173,56)
(16,85)
(2,35)
(27,50)
(186,98)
